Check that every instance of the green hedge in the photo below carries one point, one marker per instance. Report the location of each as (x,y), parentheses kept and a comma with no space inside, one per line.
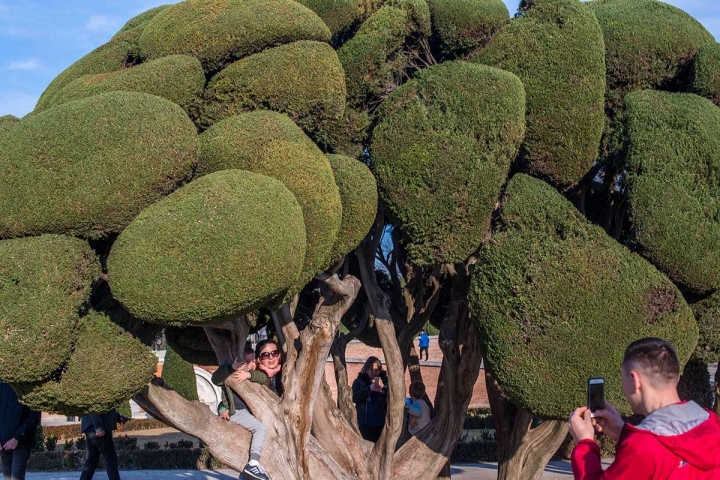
(108,366)
(177,78)
(270,144)
(673,159)
(550,288)
(302,79)
(135,425)
(707,314)
(695,383)
(358,192)
(44,285)
(163,459)
(82,168)
(460,26)
(441,152)
(7,122)
(706,72)
(648,44)
(338,15)
(179,375)
(218,32)
(221,245)
(191,344)
(556,49)
(138,23)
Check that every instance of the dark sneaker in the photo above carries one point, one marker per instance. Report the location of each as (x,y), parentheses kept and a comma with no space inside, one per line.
(255,472)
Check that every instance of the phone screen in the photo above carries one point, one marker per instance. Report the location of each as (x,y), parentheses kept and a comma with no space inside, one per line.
(596,394)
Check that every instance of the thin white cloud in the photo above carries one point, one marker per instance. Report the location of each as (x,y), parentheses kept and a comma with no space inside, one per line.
(102,24)
(26,65)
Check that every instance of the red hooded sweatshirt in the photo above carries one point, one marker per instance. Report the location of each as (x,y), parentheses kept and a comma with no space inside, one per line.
(677,442)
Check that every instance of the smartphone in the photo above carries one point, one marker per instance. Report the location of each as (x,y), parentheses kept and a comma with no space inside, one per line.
(596,395)
(377,381)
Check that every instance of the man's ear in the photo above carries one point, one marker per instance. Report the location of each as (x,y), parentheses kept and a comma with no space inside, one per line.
(638,380)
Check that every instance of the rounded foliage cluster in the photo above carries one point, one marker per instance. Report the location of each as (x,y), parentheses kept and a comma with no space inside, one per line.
(556,49)
(464,25)
(441,152)
(82,168)
(219,32)
(219,246)
(547,276)
(673,159)
(44,286)
(107,366)
(270,144)
(179,375)
(177,78)
(694,383)
(707,314)
(358,193)
(648,44)
(191,344)
(302,79)
(338,15)
(706,72)
(7,122)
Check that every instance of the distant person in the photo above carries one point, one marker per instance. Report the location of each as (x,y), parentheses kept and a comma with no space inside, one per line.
(424,343)
(676,440)
(418,409)
(18,427)
(370,399)
(233,409)
(99,441)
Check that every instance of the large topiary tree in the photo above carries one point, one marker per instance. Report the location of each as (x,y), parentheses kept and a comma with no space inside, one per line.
(335,169)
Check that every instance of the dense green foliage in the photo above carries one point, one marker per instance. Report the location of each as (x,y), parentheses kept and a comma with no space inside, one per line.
(138,23)
(338,15)
(115,55)
(218,32)
(648,44)
(441,152)
(7,122)
(82,168)
(179,375)
(695,383)
(418,14)
(44,285)
(371,59)
(177,78)
(219,246)
(463,25)
(358,193)
(706,72)
(707,314)
(269,143)
(673,158)
(303,80)
(550,289)
(191,344)
(556,49)
(107,367)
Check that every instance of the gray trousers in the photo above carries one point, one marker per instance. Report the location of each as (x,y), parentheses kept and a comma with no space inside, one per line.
(246,420)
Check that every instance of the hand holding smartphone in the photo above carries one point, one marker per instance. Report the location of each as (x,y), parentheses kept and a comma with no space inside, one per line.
(596,395)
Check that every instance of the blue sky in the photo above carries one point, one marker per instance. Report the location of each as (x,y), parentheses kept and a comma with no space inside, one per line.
(40,38)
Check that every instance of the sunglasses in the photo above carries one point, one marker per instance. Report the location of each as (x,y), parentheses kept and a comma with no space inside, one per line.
(266,355)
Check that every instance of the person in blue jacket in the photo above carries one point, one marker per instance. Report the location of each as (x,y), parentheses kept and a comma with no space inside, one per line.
(18,428)
(424,343)
(370,399)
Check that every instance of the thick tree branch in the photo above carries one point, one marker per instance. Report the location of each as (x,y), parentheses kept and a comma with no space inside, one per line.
(228,339)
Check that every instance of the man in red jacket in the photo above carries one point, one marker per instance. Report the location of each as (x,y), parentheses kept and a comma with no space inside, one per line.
(676,440)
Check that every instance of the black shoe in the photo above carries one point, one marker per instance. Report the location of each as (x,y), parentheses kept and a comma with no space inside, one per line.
(255,472)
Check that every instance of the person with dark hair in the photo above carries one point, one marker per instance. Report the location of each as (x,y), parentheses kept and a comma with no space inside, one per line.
(418,410)
(370,399)
(269,360)
(233,409)
(675,440)
(99,441)
(18,427)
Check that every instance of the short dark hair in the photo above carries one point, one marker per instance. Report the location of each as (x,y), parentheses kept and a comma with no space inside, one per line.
(417,389)
(655,358)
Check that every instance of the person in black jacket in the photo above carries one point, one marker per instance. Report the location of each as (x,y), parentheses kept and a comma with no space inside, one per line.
(18,427)
(99,441)
(370,399)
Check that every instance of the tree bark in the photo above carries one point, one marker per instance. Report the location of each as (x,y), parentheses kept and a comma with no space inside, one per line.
(523,451)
